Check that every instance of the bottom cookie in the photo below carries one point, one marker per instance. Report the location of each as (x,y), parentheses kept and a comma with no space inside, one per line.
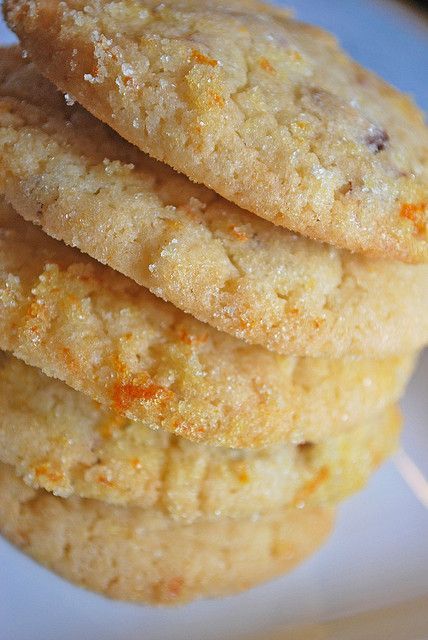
(129,553)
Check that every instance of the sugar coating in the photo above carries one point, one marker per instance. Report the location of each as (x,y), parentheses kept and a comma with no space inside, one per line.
(106,336)
(59,440)
(265,110)
(141,555)
(67,172)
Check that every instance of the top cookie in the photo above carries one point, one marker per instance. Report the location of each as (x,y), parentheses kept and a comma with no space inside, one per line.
(267,111)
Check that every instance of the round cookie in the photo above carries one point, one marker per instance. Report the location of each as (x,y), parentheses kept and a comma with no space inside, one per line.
(64,170)
(267,111)
(59,440)
(143,556)
(106,336)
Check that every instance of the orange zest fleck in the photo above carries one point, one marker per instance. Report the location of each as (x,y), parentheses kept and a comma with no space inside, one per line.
(136,463)
(48,472)
(309,489)
(243,477)
(266,66)
(189,338)
(416,213)
(127,392)
(176,424)
(218,99)
(105,481)
(69,360)
(318,322)
(200,58)
(239,235)
(174,586)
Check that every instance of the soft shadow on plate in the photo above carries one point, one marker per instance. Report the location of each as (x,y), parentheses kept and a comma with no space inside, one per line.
(407,621)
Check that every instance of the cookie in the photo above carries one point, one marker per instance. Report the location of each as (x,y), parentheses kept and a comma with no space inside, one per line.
(141,555)
(267,111)
(106,336)
(59,440)
(65,171)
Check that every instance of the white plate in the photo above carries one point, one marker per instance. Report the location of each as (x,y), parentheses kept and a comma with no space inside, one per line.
(370,582)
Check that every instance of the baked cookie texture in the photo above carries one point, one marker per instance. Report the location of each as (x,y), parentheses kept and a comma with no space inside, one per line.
(267,111)
(141,555)
(59,440)
(106,336)
(64,170)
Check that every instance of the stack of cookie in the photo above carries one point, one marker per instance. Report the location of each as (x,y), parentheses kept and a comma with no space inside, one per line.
(189,387)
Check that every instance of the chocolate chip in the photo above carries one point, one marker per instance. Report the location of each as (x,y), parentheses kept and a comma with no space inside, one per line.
(376,139)
(346,188)
(306,446)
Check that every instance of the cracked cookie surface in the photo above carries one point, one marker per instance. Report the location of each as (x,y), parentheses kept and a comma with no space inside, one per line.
(110,338)
(62,169)
(265,110)
(59,440)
